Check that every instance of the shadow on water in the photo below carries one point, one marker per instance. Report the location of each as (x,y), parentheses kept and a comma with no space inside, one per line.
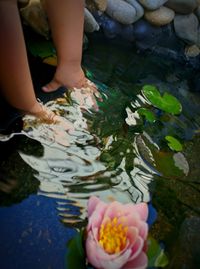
(49,172)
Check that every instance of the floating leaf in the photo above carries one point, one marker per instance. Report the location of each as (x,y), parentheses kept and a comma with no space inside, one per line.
(75,256)
(156,255)
(167,103)
(149,115)
(173,143)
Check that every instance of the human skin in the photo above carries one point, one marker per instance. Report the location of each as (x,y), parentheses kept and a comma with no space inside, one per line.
(15,78)
(66,19)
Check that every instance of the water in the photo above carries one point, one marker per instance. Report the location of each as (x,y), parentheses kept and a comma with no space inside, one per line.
(49,173)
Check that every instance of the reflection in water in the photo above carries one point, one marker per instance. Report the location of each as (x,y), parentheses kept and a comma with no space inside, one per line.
(70,169)
(77,162)
(114,153)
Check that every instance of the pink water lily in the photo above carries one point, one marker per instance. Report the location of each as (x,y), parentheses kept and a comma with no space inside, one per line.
(116,235)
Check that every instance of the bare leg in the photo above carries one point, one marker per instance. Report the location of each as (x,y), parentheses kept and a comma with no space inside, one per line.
(66,19)
(15,78)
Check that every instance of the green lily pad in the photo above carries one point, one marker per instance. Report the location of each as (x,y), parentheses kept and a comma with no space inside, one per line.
(173,143)
(75,256)
(149,115)
(156,255)
(167,102)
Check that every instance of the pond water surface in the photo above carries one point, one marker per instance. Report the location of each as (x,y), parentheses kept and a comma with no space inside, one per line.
(47,174)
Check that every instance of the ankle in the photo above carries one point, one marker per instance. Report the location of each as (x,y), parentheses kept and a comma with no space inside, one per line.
(35,109)
(69,67)
(68,76)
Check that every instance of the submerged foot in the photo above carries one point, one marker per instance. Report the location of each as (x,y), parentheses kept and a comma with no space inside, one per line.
(83,91)
(65,79)
(42,114)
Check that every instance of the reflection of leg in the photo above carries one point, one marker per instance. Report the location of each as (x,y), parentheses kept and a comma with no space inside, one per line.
(66,19)
(15,78)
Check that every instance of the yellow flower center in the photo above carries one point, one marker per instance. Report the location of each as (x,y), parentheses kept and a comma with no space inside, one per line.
(113,236)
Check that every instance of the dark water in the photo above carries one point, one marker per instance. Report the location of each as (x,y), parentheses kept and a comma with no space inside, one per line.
(46,181)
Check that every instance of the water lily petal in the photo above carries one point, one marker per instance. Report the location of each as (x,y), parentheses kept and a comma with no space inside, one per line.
(115,262)
(143,230)
(137,248)
(91,250)
(92,203)
(132,235)
(99,258)
(131,220)
(142,209)
(140,262)
(132,216)
(96,218)
(114,209)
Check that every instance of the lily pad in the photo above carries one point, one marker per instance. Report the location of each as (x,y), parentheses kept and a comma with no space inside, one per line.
(167,102)
(173,143)
(149,115)
(156,255)
(75,256)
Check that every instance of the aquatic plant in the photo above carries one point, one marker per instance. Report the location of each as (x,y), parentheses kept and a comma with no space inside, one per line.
(116,234)
(167,102)
(116,237)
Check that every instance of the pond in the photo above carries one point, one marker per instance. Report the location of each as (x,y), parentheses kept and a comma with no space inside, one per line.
(116,153)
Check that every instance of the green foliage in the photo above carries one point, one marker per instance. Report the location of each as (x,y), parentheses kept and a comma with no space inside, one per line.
(149,115)
(41,48)
(167,102)
(173,143)
(156,255)
(75,256)
(162,161)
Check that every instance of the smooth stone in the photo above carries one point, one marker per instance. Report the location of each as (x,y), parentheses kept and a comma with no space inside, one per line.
(192,51)
(111,28)
(182,6)
(160,17)
(121,11)
(90,24)
(139,9)
(93,5)
(186,28)
(152,4)
(35,16)
(101,4)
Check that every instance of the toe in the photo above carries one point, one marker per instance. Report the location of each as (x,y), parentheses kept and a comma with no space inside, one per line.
(52,86)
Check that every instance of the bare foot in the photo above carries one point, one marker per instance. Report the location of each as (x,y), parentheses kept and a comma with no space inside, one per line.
(43,114)
(83,91)
(69,79)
